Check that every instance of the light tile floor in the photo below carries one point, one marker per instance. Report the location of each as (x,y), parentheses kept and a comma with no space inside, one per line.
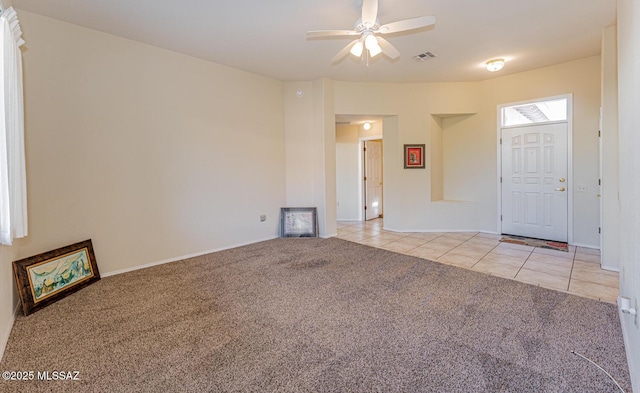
(577,271)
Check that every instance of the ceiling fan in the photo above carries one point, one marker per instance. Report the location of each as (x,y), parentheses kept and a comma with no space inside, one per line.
(368,29)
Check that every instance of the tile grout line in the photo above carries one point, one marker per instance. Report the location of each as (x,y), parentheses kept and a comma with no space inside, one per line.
(456,247)
(430,242)
(573,263)
(525,262)
(481,258)
(487,253)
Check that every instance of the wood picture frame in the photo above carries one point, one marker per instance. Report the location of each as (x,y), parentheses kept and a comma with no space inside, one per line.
(46,278)
(414,156)
(298,222)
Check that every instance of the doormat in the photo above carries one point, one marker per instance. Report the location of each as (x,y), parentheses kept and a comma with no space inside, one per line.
(527,241)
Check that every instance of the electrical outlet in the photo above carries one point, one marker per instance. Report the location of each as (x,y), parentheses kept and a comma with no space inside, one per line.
(263,217)
(581,188)
(627,307)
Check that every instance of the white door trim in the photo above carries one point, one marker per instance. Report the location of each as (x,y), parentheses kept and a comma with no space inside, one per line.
(361,172)
(569,122)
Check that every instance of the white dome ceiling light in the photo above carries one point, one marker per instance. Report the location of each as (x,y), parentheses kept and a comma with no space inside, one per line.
(495,65)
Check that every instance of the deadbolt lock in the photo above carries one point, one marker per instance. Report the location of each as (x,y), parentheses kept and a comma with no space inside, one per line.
(562,180)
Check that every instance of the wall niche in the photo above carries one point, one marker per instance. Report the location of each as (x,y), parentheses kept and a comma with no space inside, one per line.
(440,122)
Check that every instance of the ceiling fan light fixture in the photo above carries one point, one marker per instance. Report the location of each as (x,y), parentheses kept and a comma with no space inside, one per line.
(357,48)
(495,65)
(375,51)
(370,41)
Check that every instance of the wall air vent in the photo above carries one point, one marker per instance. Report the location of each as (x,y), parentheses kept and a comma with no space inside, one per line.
(425,56)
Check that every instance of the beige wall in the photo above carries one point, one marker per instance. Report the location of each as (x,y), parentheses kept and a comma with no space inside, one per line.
(310,150)
(467,131)
(152,154)
(347,173)
(609,139)
(298,115)
(629,124)
(325,156)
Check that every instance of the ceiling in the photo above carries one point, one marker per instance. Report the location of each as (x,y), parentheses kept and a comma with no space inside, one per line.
(268,37)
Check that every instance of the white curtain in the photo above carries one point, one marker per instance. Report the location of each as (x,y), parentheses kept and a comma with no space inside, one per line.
(13,189)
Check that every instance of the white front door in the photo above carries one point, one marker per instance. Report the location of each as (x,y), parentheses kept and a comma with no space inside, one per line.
(534,181)
(373,179)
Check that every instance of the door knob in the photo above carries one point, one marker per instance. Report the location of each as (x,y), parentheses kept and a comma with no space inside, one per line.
(560,189)
(561,180)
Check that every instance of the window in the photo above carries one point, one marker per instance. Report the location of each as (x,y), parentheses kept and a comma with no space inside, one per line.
(13,193)
(535,112)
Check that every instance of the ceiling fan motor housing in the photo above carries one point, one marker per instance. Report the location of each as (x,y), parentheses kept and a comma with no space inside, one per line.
(362,27)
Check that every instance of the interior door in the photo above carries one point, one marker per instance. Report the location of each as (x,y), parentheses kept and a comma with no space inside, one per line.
(534,181)
(373,179)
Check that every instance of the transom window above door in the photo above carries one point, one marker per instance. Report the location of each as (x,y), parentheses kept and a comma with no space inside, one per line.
(534,112)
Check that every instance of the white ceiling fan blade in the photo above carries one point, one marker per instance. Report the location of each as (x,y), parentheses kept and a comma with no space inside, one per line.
(407,24)
(343,52)
(369,12)
(330,33)
(388,49)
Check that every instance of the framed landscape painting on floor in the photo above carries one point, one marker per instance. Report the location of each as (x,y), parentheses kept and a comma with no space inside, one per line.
(48,277)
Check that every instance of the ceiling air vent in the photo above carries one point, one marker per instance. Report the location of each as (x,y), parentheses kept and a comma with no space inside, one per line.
(424,56)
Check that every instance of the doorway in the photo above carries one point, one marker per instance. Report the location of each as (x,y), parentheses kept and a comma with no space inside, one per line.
(535,169)
(372,179)
(353,132)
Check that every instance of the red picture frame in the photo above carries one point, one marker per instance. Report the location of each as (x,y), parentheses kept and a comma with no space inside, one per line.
(413,156)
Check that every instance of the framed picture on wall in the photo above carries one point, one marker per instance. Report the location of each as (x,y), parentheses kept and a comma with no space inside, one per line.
(413,156)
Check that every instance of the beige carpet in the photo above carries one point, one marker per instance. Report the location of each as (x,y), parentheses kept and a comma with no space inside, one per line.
(314,315)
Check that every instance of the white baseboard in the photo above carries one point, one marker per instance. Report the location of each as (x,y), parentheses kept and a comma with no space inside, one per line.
(610,268)
(634,369)
(329,236)
(197,254)
(585,246)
